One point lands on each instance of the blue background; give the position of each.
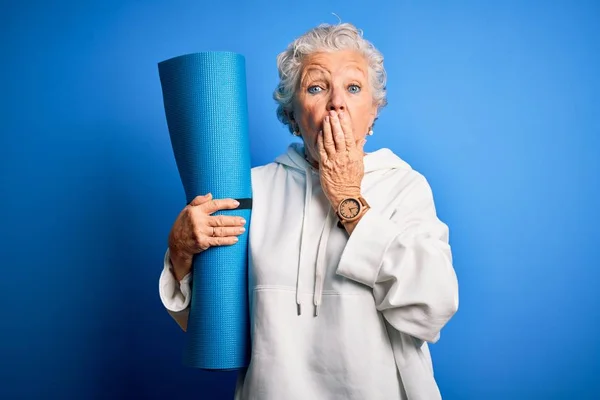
(497, 104)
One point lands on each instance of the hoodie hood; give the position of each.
(382, 159)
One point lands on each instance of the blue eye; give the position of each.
(314, 89)
(354, 88)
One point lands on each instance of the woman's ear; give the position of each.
(373, 122)
(293, 125)
(374, 112)
(290, 116)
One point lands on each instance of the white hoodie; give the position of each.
(336, 316)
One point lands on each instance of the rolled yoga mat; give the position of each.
(205, 102)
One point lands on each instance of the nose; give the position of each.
(336, 100)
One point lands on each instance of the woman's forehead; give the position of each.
(345, 61)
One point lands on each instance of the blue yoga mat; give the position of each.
(205, 102)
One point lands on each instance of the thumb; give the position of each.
(198, 200)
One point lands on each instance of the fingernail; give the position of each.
(235, 239)
(242, 229)
(243, 221)
(332, 113)
(327, 118)
(237, 203)
(341, 115)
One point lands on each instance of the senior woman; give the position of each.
(350, 268)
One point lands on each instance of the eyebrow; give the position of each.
(311, 74)
(315, 70)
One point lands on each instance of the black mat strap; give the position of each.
(245, 204)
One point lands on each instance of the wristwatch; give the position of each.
(351, 208)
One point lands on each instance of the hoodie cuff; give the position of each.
(174, 295)
(364, 251)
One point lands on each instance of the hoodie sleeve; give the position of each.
(174, 295)
(407, 261)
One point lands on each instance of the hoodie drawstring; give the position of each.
(320, 266)
(307, 198)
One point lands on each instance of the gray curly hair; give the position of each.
(325, 37)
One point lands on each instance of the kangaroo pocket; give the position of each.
(343, 353)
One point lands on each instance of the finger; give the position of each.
(227, 231)
(223, 241)
(346, 126)
(198, 200)
(338, 133)
(208, 237)
(328, 142)
(321, 148)
(217, 205)
(224, 220)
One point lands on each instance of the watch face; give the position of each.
(349, 208)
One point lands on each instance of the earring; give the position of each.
(295, 130)
(370, 133)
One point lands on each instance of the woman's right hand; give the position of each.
(196, 230)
